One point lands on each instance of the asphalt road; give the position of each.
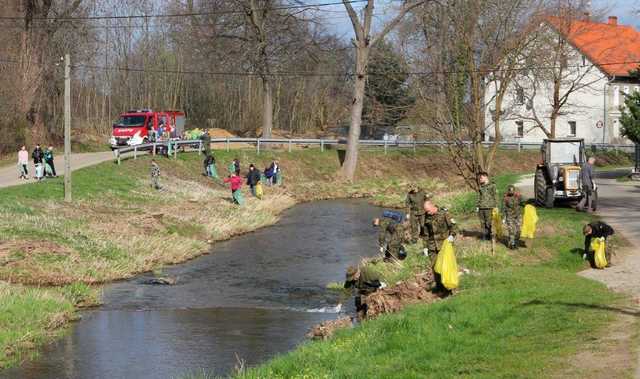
(9, 174)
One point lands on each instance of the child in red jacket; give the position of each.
(236, 183)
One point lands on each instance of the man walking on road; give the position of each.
(586, 175)
(487, 201)
(23, 162)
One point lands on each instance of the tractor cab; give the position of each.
(558, 175)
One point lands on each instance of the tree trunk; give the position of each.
(351, 159)
(267, 108)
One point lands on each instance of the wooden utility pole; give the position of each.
(67, 128)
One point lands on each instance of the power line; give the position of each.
(344, 74)
(177, 15)
(329, 74)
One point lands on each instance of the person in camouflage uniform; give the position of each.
(155, 175)
(391, 237)
(415, 209)
(440, 227)
(487, 201)
(366, 282)
(512, 210)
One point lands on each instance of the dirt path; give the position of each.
(619, 206)
(9, 174)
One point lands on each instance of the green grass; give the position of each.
(518, 314)
(31, 316)
(513, 323)
(117, 226)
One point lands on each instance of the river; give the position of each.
(252, 298)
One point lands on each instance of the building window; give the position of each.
(520, 126)
(616, 96)
(572, 128)
(519, 95)
(626, 90)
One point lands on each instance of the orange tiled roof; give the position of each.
(607, 45)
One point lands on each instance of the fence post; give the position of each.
(519, 147)
(385, 147)
(154, 148)
(118, 155)
(258, 146)
(175, 150)
(414, 146)
(322, 145)
(289, 145)
(227, 144)
(200, 147)
(135, 152)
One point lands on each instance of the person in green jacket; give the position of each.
(415, 209)
(366, 282)
(391, 238)
(512, 210)
(487, 201)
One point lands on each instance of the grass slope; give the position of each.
(519, 314)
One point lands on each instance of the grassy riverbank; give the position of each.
(118, 226)
(518, 314)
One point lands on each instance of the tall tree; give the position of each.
(473, 45)
(554, 79)
(363, 42)
(630, 117)
(387, 95)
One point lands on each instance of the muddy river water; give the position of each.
(254, 297)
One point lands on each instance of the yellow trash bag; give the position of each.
(496, 221)
(599, 247)
(447, 266)
(529, 221)
(259, 190)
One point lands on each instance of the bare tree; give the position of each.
(557, 72)
(474, 44)
(364, 41)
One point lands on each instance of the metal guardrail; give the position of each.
(172, 147)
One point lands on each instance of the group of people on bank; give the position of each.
(254, 178)
(425, 220)
(42, 163)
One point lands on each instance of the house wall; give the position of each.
(586, 107)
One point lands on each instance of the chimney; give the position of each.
(613, 20)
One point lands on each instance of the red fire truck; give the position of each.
(143, 126)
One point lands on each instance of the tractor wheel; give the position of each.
(549, 198)
(540, 188)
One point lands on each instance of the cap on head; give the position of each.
(351, 273)
(511, 188)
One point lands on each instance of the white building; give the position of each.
(597, 62)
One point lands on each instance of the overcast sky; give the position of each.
(335, 17)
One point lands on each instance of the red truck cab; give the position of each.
(144, 126)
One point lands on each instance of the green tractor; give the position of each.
(558, 176)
